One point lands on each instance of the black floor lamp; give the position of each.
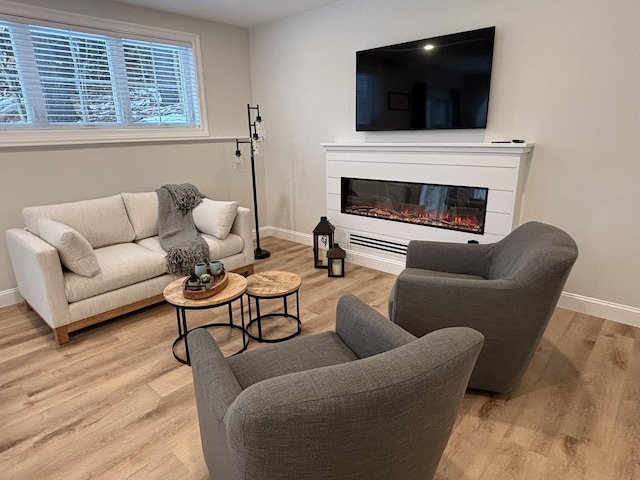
(259, 253)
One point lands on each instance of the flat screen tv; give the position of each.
(435, 83)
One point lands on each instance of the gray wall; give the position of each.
(38, 176)
(566, 77)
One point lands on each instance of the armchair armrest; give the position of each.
(38, 272)
(472, 259)
(216, 389)
(215, 384)
(365, 331)
(424, 303)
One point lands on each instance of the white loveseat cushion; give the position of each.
(74, 250)
(102, 221)
(215, 217)
(218, 249)
(120, 265)
(142, 209)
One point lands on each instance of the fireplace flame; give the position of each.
(443, 206)
(468, 223)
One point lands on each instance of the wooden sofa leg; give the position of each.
(61, 334)
(244, 271)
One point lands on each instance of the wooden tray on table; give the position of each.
(218, 283)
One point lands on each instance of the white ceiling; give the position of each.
(242, 13)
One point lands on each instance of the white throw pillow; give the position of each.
(215, 217)
(75, 251)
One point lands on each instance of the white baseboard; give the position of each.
(569, 301)
(373, 261)
(600, 308)
(363, 259)
(292, 236)
(10, 297)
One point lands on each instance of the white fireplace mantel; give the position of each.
(376, 243)
(449, 148)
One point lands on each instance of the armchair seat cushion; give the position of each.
(315, 351)
(120, 265)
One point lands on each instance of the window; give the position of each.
(88, 84)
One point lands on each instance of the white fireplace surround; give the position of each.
(381, 244)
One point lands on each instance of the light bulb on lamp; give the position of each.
(260, 130)
(257, 147)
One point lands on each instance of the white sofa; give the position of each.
(107, 259)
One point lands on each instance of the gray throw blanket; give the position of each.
(178, 234)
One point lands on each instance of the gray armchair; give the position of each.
(507, 290)
(367, 401)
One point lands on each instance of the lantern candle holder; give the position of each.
(335, 258)
(322, 242)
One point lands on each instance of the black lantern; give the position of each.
(335, 257)
(322, 241)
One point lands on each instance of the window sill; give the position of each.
(93, 136)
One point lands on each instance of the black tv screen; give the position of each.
(435, 83)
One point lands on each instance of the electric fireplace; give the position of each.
(451, 207)
(491, 175)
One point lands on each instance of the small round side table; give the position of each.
(233, 291)
(273, 285)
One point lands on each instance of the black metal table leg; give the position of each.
(285, 313)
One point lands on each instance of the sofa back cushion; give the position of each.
(102, 221)
(142, 209)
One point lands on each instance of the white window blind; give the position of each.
(55, 77)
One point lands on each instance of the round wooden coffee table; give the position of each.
(233, 291)
(273, 285)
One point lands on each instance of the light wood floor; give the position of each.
(114, 404)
